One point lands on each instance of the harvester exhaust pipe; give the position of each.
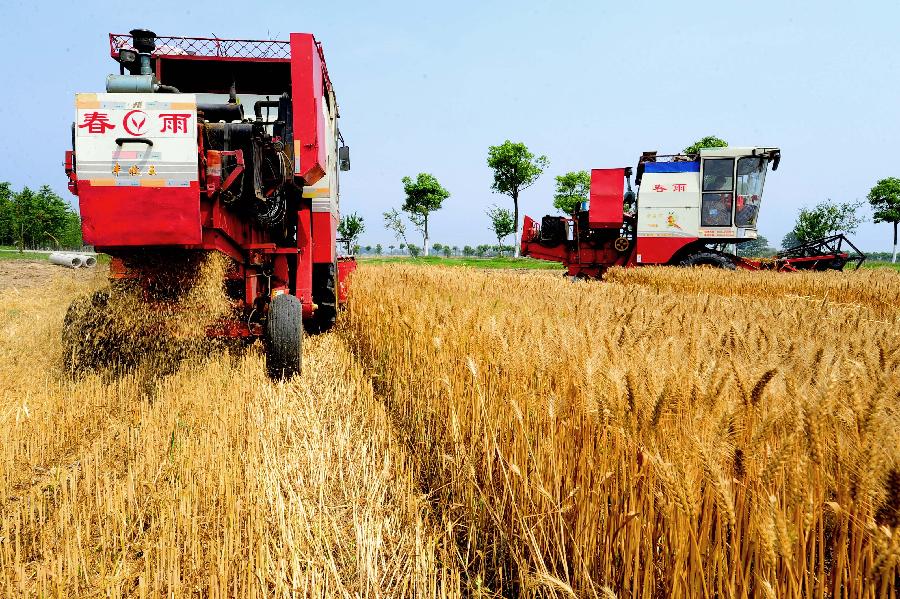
(144, 41)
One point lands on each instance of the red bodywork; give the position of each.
(127, 221)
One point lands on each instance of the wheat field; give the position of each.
(664, 433)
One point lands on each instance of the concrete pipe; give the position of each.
(90, 261)
(68, 260)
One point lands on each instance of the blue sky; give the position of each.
(429, 86)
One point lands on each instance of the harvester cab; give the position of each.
(203, 146)
(688, 209)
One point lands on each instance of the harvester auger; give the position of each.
(687, 209)
(169, 168)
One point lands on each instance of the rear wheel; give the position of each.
(712, 259)
(284, 337)
(325, 285)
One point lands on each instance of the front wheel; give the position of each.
(284, 337)
(708, 259)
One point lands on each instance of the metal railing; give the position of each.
(211, 47)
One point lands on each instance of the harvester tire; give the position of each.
(284, 337)
(712, 259)
(325, 285)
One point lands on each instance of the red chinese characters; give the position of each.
(174, 122)
(679, 186)
(96, 122)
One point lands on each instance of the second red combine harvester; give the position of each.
(169, 164)
(687, 210)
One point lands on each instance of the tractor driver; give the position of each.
(746, 210)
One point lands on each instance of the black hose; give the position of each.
(258, 106)
(167, 89)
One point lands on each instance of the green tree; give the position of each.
(7, 221)
(35, 219)
(414, 250)
(70, 236)
(502, 222)
(515, 168)
(571, 190)
(789, 240)
(710, 141)
(755, 248)
(391, 247)
(468, 251)
(885, 201)
(378, 249)
(424, 195)
(824, 219)
(446, 251)
(393, 222)
(351, 227)
(436, 247)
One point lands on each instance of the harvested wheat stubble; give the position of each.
(665, 437)
(201, 479)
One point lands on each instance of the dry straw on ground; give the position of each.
(664, 434)
(201, 478)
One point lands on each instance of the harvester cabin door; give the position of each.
(717, 200)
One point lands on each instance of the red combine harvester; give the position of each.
(687, 210)
(169, 167)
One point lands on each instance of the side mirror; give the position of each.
(344, 158)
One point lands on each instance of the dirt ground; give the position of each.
(27, 274)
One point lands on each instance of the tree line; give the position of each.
(37, 219)
(516, 168)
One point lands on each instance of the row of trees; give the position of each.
(515, 169)
(439, 249)
(37, 219)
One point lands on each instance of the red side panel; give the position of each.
(659, 250)
(324, 225)
(307, 91)
(346, 266)
(607, 192)
(127, 216)
(303, 282)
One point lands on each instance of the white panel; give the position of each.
(168, 120)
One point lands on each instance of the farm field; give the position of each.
(666, 433)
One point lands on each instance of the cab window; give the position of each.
(718, 174)
(717, 203)
(715, 210)
(751, 175)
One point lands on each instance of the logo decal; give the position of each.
(135, 122)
